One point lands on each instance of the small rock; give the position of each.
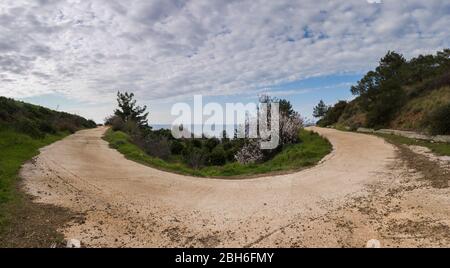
(373, 243)
(73, 243)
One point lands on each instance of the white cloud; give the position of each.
(167, 48)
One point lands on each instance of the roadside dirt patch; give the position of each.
(35, 225)
(430, 166)
(443, 161)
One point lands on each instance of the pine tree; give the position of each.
(320, 110)
(128, 111)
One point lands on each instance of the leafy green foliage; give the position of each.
(292, 157)
(128, 110)
(333, 114)
(439, 121)
(384, 106)
(380, 90)
(320, 109)
(286, 108)
(37, 121)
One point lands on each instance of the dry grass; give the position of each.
(413, 114)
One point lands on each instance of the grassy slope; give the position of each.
(16, 148)
(293, 157)
(417, 109)
(411, 116)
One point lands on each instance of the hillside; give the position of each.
(24, 128)
(399, 94)
(37, 121)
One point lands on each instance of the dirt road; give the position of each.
(359, 192)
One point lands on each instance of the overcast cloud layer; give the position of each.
(161, 49)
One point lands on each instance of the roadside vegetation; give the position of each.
(400, 94)
(291, 158)
(213, 157)
(439, 148)
(24, 128)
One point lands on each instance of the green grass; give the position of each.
(439, 148)
(293, 157)
(15, 149)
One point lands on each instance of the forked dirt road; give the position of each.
(362, 190)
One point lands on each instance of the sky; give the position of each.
(75, 55)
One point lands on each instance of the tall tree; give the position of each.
(320, 110)
(390, 66)
(285, 106)
(129, 111)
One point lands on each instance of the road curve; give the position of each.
(126, 204)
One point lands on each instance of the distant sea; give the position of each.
(161, 126)
(228, 128)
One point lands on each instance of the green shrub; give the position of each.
(90, 124)
(176, 147)
(217, 157)
(194, 157)
(333, 114)
(46, 127)
(132, 128)
(439, 121)
(383, 108)
(28, 127)
(212, 143)
(196, 143)
(117, 124)
(66, 125)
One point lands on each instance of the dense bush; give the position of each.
(37, 121)
(66, 125)
(333, 114)
(29, 127)
(47, 127)
(176, 147)
(194, 157)
(212, 143)
(116, 123)
(217, 157)
(430, 84)
(383, 108)
(439, 121)
(157, 147)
